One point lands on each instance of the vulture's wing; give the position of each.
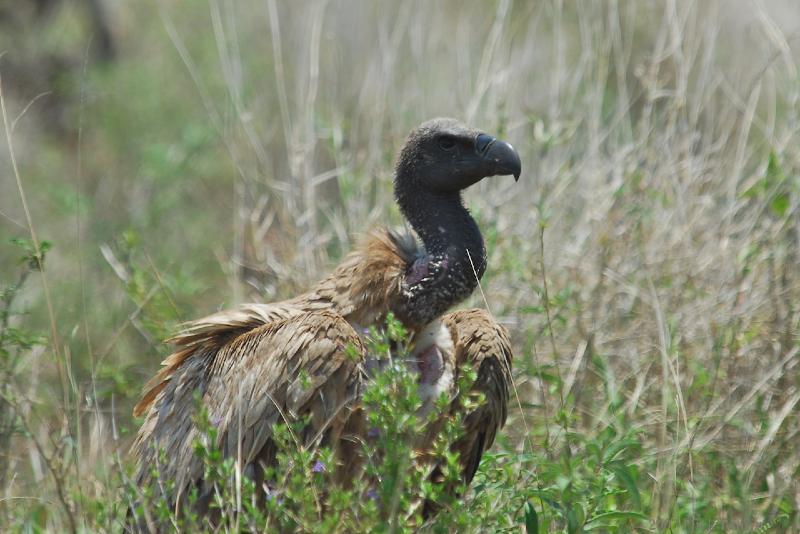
(361, 290)
(209, 335)
(307, 365)
(483, 345)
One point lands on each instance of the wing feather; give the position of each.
(291, 368)
(362, 289)
(483, 345)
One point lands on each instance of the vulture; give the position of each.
(304, 358)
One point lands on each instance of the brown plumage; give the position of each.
(249, 383)
(361, 290)
(265, 363)
(483, 346)
(290, 368)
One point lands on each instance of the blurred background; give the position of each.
(162, 160)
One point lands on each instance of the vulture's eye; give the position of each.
(447, 143)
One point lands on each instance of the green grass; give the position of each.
(646, 264)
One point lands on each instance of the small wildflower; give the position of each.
(318, 467)
(372, 494)
(373, 432)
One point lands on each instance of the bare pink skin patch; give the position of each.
(418, 271)
(431, 365)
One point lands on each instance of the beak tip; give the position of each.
(505, 159)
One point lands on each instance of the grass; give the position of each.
(645, 264)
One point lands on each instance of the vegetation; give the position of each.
(646, 264)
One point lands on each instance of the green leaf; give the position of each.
(531, 519)
(774, 174)
(780, 204)
(575, 519)
(617, 448)
(627, 476)
(601, 520)
(538, 310)
(773, 177)
(753, 190)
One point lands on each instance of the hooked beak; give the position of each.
(501, 156)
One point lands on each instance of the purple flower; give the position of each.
(318, 467)
(373, 432)
(372, 494)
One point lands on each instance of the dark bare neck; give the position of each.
(456, 255)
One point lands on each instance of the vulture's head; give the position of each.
(444, 156)
(441, 158)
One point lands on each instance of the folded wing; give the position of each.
(308, 365)
(482, 345)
